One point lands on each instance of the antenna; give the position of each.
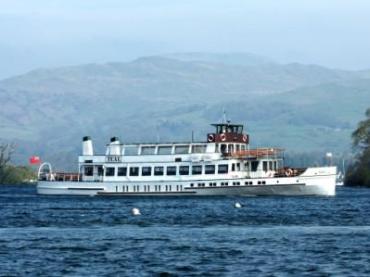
(224, 120)
(192, 136)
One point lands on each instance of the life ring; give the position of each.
(211, 138)
(244, 138)
(223, 137)
(289, 172)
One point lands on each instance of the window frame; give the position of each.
(223, 166)
(160, 172)
(186, 172)
(145, 171)
(173, 173)
(111, 170)
(132, 172)
(196, 172)
(89, 169)
(124, 168)
(207, 171)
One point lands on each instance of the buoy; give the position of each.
(135, 211)
(237, 205)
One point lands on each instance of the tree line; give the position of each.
(11, 174)
(358, 173)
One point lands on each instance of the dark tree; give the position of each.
(6, 151)
(359, 172)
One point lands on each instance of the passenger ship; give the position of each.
(223, 165)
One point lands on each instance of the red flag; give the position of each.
(35, 160)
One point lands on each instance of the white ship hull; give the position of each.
(314, 181)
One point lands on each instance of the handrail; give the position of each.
(258, 152)
(40, 173)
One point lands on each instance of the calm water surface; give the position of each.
(268, 236)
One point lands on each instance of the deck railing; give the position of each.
(60, 177)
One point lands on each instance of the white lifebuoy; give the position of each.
(211, 138)
(244, 138)
(223, 137)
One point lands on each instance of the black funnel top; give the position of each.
(113, 139)
(86, 138)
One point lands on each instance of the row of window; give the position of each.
(225, 184)
(161, 170)
(135, 150)
(147, 188)
(176, 170)
(169, 188)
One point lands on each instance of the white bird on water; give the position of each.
(237, 205)
(135, 211)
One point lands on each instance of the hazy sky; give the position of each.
(44, 33)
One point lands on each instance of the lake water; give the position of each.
(273, 236)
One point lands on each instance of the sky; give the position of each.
(51, 33)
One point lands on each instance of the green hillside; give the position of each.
(300, 107)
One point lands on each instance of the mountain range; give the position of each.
(299, 107)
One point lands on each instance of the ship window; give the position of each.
(237, 147)
(210, 169)
(146, 171)
(182, 149)
(134, 171)
(164, 150)
(147, 150)
(238, 166)
(264, 166)
(171, 170)
(246, 165)
(122, 171)
(131, 150)
(231, 148)
(109, 171)
(196, 170)
(254, 165)
(223, 168)
(158, 170)
(270, 166)
(223, 148)
(275, 165)
(198, 149)
(88, 171)
(184, 170)
(100, 170)
(233, 167)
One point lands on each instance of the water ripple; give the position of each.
(269, 236)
